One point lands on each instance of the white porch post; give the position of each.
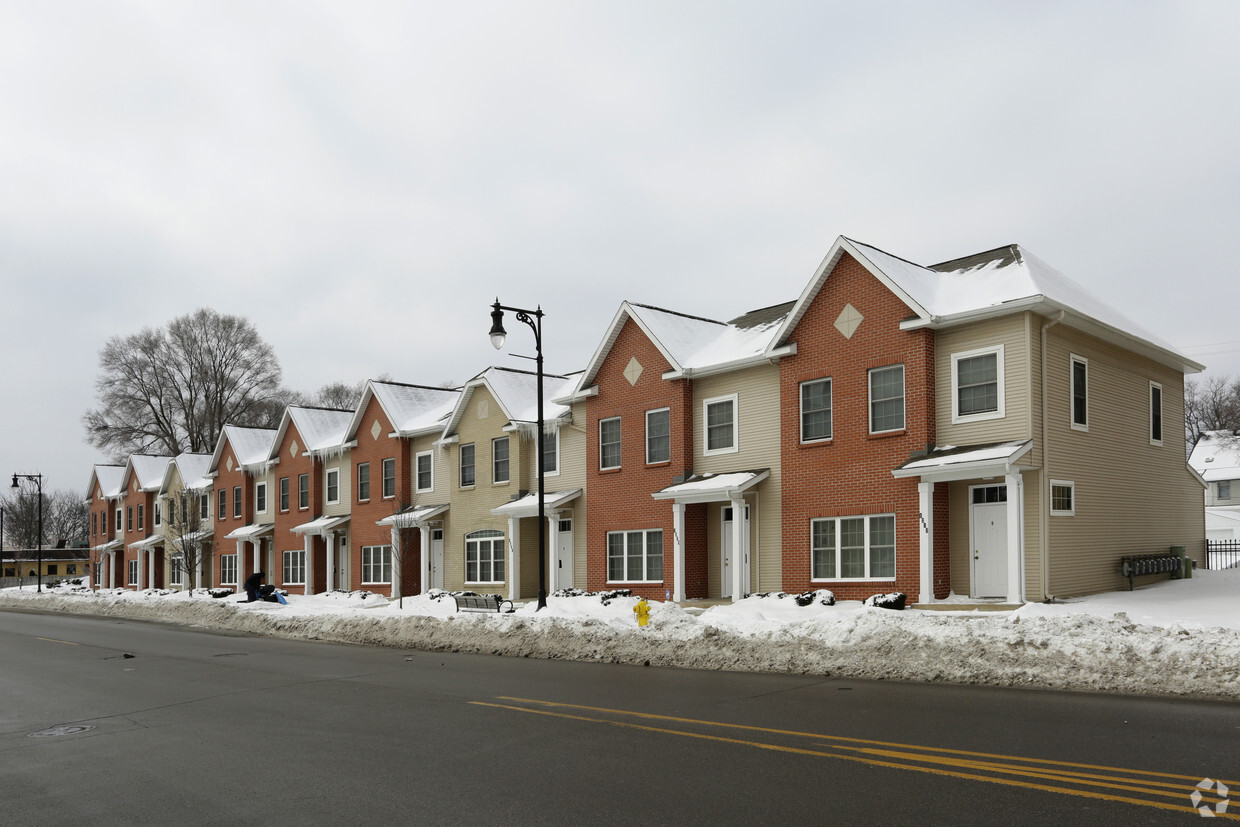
(514, 558)
(151, 563)
(553, 551)
(198, 570)
(141, 571)
(925, 500)
(424, 542)
(396, 563)
(111, 569)
(739, 558)
(678, 551)
(309, 546)
(330, 540)
(240, 563)
(257, 545)
(1015, 537)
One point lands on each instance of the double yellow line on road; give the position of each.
(1164, 791)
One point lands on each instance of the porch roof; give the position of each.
(949, 462)
(249, 532)
(703, 488)
(413, 515)
(149, 542)
(321, 525)
(527, 506)
(110, 545)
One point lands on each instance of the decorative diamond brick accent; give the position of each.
(375, 430)
(848, 321)
(229, 464)
(292, 448)
(633, 372)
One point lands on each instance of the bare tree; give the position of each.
(173, 389)
(184, 534)
(21, 517)
(66, 517)
(400, 550)
(1212, 404)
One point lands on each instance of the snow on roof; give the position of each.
(517, 392)
(1216, 456)
(250, 531)
(250, 445)
(414, 408)
(713, 485)
(109, 479)
(149, 470)
(527, 506)
(193, 469)
(695, 343)
(413, 515)
(320, 428)
(951, 455)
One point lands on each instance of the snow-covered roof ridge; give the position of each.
(250, 445)
(1007, 279)
(321, 429)
(193, 470)
(1216, 456)
(149, 470)
(108, 478)
(412, 409)
(516, 392)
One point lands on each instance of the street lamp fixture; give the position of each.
(37, 479)
(533, 318)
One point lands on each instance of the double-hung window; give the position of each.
(260, 497)
(977, 385)
(609, 443)
(376, 564)
(1063, 498)
(816, 410)
(887, 399)
(236, 501)
(388, 470)
(1080, 393)
(222, 505)
(1156, 414)
(295, 567)
(363, 482)
(228, 569)
(635, 556)
(159, 514)
(484, 556)
(551, 453)
(129, 518)
(424, 466)
(499, 459)
(720, 425)
(658, 436)
(140, 520)
(1224, 489)
(333, 485)
(853, 548)
(284, 493)
(303, 491)
(467, 465)
(204, 507)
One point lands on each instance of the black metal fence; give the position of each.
(1222, 554)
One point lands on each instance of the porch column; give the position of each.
(240, 567)
(309, 546)
(141, 572)
(111, 569)
(925, 502)
(553, 551)
(257, 545)
(198, 570)
(151, 563)
(424, 541)
(396, 560)
(330, 540)
(739, 559)
(1015, 537)
(514, 558)
(678, 551)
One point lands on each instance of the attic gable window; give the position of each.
(977, 385)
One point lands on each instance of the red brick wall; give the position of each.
(129, 504)
(620, 499)
(850, 475)
(365, 514)
(292, 465)
(225, 481)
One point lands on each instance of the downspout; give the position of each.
(1044, 526)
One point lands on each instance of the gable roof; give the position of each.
(696, 346)
(516, 392)
(321, 429)
(193, 469)
(250, 445)
(1216, 456)
(109, 479)
(148, 469)
(994, 283)
(412, 409)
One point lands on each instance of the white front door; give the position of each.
(725, 570)
(564, 555)
(436, 558)
(341, 563)
(988, 533)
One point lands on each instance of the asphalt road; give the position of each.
(205, 728)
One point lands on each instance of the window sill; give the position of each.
(815, 443)
(635, 582)
(615, 470)
(854, 580)
(887, 434)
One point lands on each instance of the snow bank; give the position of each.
(1173, 638)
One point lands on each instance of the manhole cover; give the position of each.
(63, 729)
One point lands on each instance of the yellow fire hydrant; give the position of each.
(642, 610)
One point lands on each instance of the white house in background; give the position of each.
(1216, 456)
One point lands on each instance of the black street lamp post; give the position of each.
(533, 318)
(37, 479)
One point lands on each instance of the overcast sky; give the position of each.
(361, 180)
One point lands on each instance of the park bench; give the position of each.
(482, 603)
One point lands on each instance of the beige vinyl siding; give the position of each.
(1011, 333)
(1131, 497)
(961, 554)
(573, 475)
(270, 477)
(342, 462)
(757, 391)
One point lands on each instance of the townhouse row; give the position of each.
(981, 427)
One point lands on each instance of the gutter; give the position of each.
(766, 357)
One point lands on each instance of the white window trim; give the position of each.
(736, 425)
(668, 411)
(228, 561)
(801, 411)
(602, 422)
(839, 578)
(1218, 491)
(260, 486)
(416, 476)
(284, 567)
(383, 464)
(999, 412)
(357, 474)
(1072, 361)
(1162, 415)
(490, 540)
(368, 564)
(301, 477)
(869, 389)
(327, 486)
(460, 465)
(158, 515)
(506, 480)
(554, 435)
(1067, 512)
(645, 535)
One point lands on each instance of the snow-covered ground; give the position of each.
(1177, 637)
